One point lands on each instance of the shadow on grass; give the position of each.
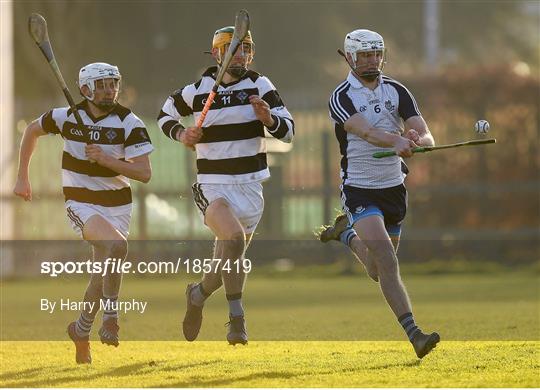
(414, 363)
(196, 382)
(75, 375)
(192, 365)
(283, 375)
(14, 374)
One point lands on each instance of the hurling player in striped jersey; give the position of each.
(372, 112)
(98, 160)
(231, 166)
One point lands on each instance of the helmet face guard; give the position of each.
(369, 64)
(220, 44)
(96, 76)
(366, 53)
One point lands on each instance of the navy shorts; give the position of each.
(389, 203)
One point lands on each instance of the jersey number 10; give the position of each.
(94, 135)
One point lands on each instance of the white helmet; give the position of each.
(97, 71)
(364, 40)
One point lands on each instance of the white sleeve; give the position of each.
(137, 141)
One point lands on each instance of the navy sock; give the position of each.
(84, 324)
(347, 235)
(109, 306)
(409, 326)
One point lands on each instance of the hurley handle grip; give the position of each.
(206, 107)
(392, 153)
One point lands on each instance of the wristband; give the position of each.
(277, 122)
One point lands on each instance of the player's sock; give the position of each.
(409, 326)
(198, 295)
(109, 308)
(235, 305)
(347, 236)
(84, 324)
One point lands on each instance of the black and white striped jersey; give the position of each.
(386, 107)
(120, 134)
(232, 148)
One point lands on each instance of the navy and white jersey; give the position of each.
(232, 148)
(120, 134)
(386, 107)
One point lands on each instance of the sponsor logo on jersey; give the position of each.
(374, 101)
(76, 132)
(360, 210)
(242, 96)
(111, 134)
(137, 146)
(205, 99)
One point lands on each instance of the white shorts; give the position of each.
(78, 213)
(246, 200)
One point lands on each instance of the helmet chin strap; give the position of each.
(368, 76)
(237, 71)
(104, 106)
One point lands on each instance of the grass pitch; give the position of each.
(273, 364)
(332, 325)
(309, 307)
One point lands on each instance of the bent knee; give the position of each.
(216, 207)
(118, 249)
(234, 243)
(114, 248)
